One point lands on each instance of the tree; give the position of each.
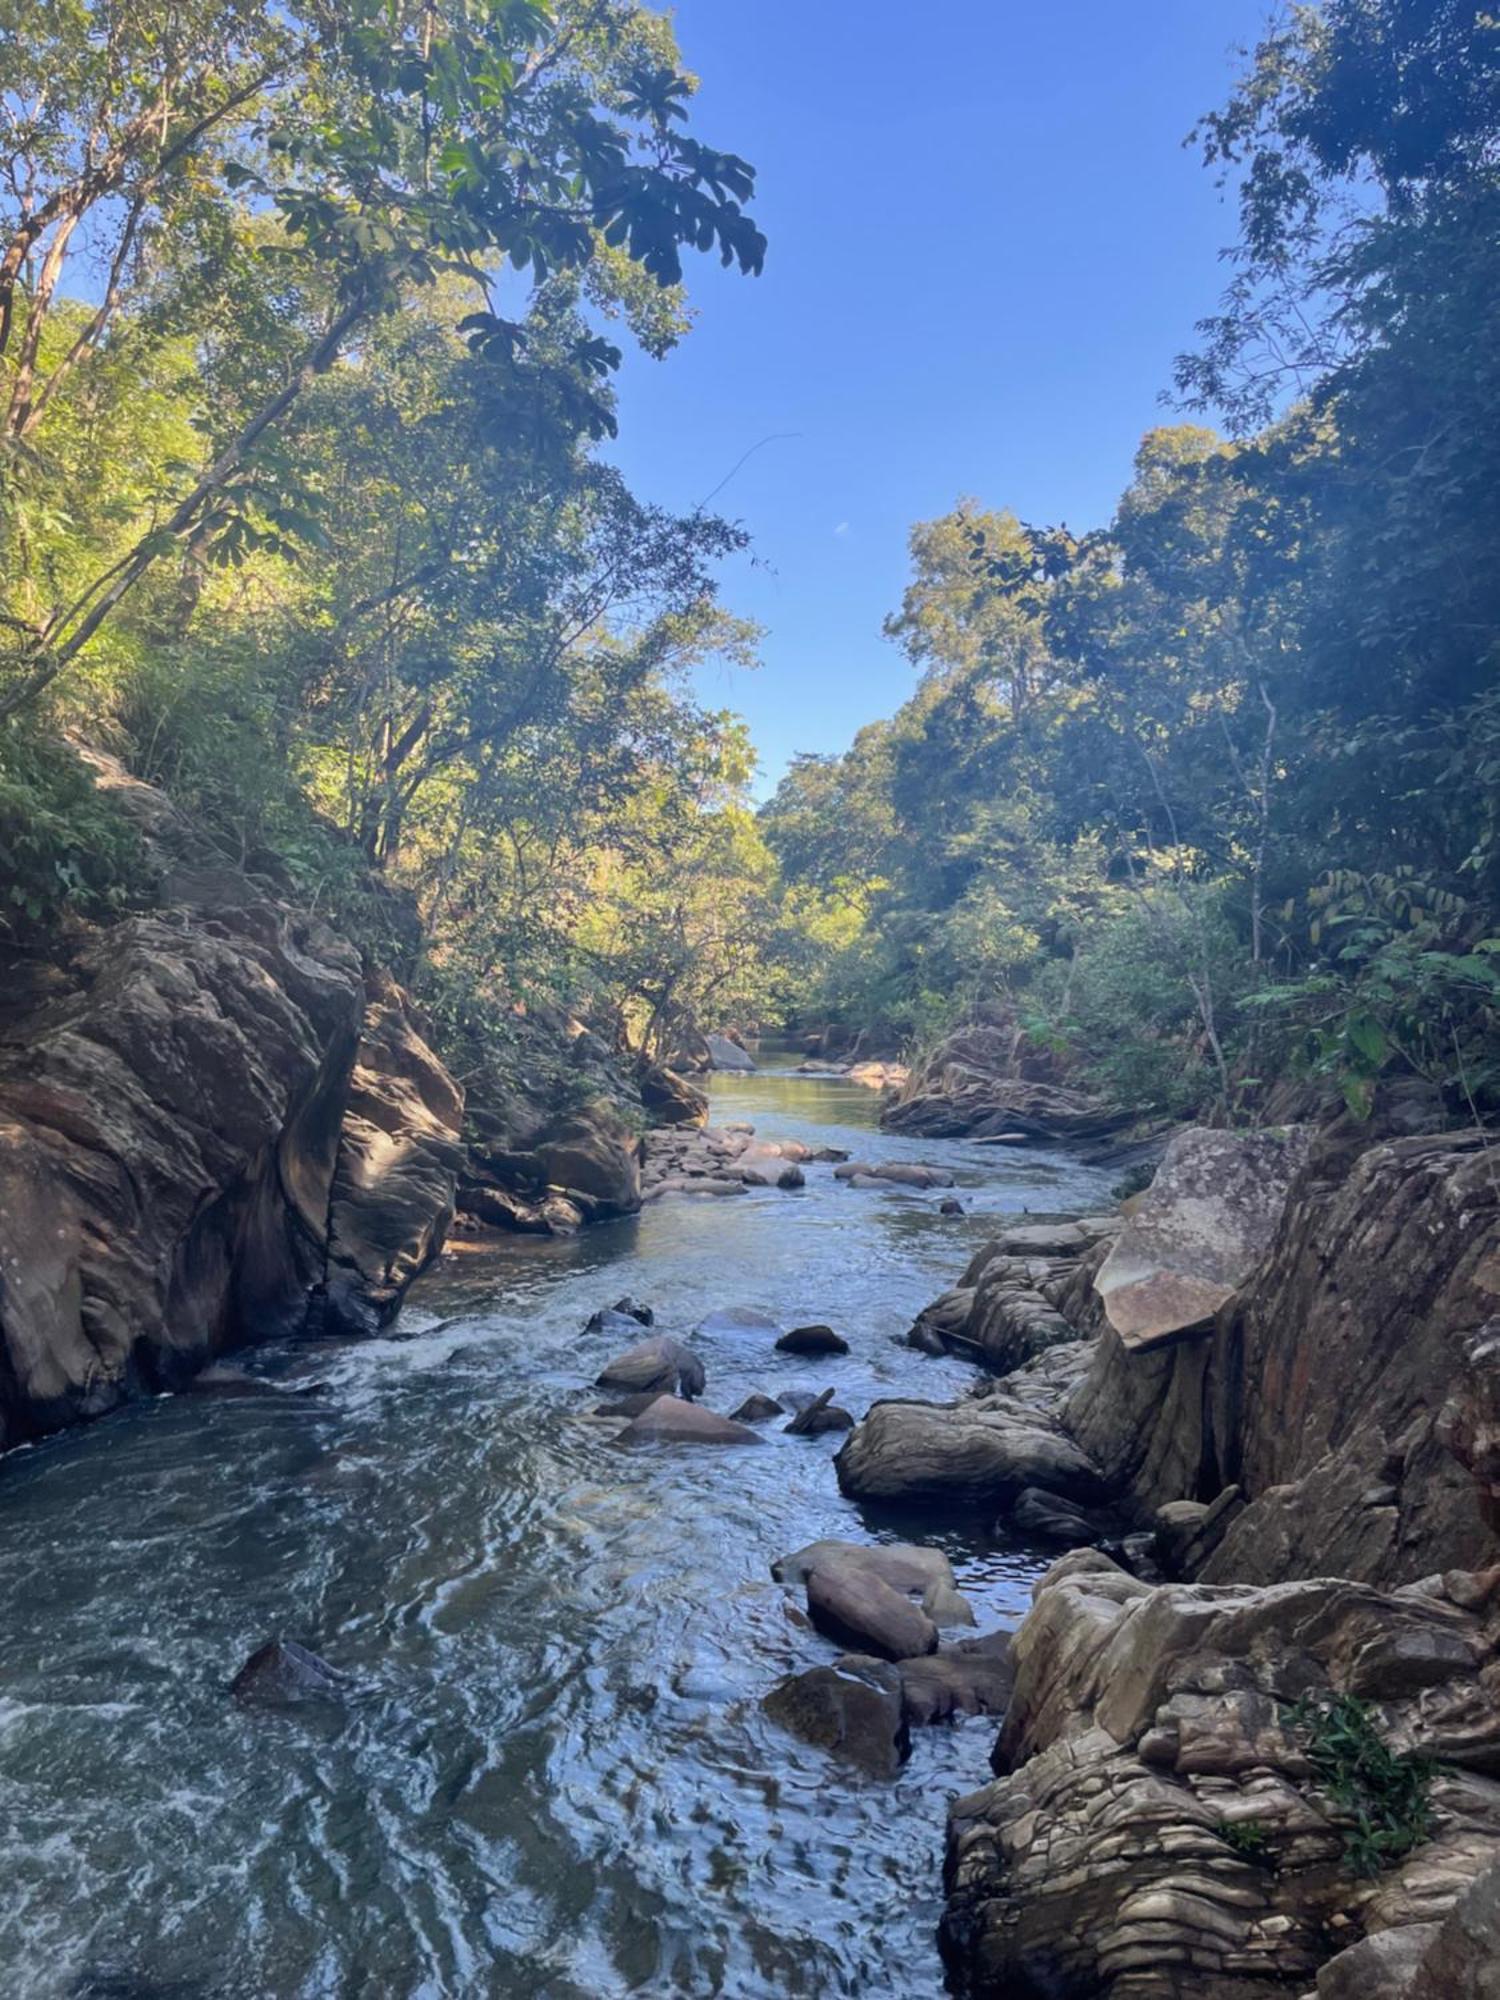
(395, 145)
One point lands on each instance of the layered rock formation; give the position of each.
(210, 1133)
(980, 1081)
(1169, 1820)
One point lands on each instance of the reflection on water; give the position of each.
(554, 1778)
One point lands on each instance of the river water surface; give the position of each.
(552, 1777)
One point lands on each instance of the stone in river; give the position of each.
(629, 1406)
(668, 1420)
(813, 1340)
(854, 1606)
(282, 1671)
(657, 1364)
(757, 1409)
(975, 1677)
(852, 1710)
(950, 1207)
(822, 1414)
(1052, 1519)
(738, 1319)
(905, 1566)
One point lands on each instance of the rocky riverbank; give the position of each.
(1274, 1379)
(218, 1126)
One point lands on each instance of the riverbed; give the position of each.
(551, 1776)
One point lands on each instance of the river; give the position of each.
(551, 1777)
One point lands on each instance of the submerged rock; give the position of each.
(852, 1710)
(669, 1420)
(732, 1320)
(282, 1671)
(900, 1173)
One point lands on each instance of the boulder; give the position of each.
(852, 1604)
(624, 1316)
(812, 1340)
(757, 1409)
(968, 1457)
(727, 1055)
(853, 1710)
(593, 1157)
(669, 1099)
(1202, 1227)
(657, 1364)
(669, 1420)
(950, 1207)
(1048, 1518)
(282, 1671)
(906, 1567)
(973, 1677)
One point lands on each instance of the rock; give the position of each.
(878, 1075)
(592, 1157)
(852, 1604)
(1050, 1519)
(950, 1207)
(973, 1085)
(631, 1405)
(757, 1409)
(282, 1671)
(1188, 1531)
(766, 1166)
(974, 1677)
(967, 1457)
(901, 1173)
(669, 1099)
(852, 1710)
(1042, 1239)
(813, 1340)
(1464, 1956)
(1383, 1966)
(631, 1308)
(1156, 1813)
(727, 1055)
(400, 1159)
(821, 1415)
(657, 1364)
(903, 1566)
(169, 1131)
(226, 1383)
(997, 1315)
(731, 1321)
(669, 1420)
(1204, 1224)
(689, 1184)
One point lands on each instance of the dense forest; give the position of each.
(1210, 795)
(307, 329)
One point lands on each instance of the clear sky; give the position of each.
(987, 244)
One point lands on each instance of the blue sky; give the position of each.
(987, 244)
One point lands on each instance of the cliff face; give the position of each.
(175, 1142)
(1322, 1389)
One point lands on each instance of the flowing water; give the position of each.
(551, 1776)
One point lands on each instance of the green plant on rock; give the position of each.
(1385, 1793)
(1251, 1841)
